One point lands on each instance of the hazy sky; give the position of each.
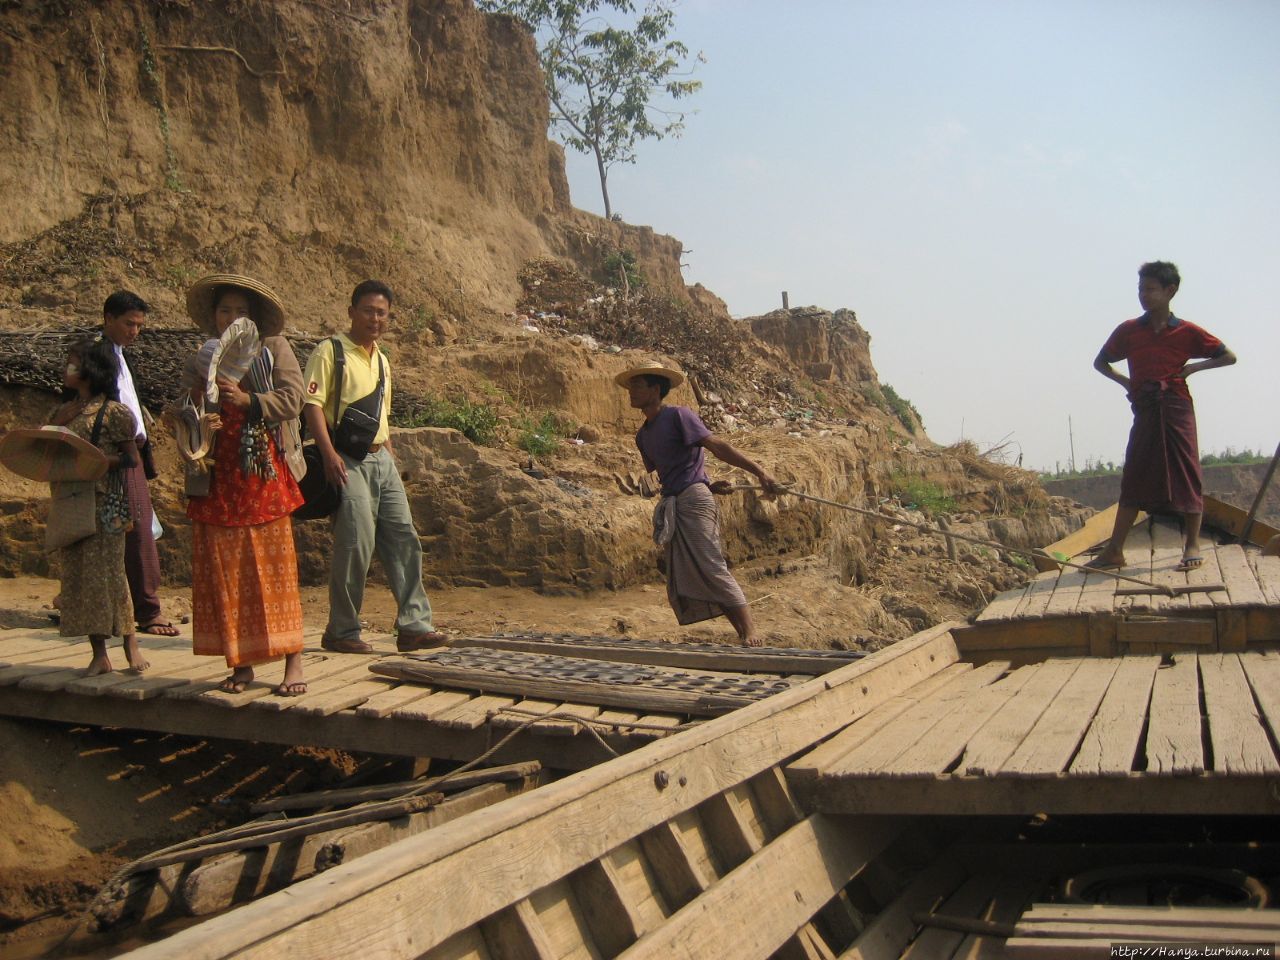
(980, 181)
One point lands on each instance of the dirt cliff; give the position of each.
(314, 144)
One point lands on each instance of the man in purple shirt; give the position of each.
(673, 441)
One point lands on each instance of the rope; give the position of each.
(993, 544)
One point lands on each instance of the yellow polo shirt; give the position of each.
(359, 379)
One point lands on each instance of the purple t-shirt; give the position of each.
(669, 444)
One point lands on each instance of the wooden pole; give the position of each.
(1257, 501)
(786, 304)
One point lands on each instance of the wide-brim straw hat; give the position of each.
(200, 303)
(654, 368)
(51, 454)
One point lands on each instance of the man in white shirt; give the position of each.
(123, 316)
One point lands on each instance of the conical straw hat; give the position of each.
(200, 303)
(51, 454)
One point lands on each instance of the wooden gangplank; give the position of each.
(1181, 734)
(690, 847)
(457, 714)
(1231, 603)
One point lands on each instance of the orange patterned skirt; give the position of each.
(246, 605)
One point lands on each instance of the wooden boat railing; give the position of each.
(695, 832)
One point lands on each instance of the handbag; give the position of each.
(73, 505)
(361, 420)
(73, 513)
(320, 497)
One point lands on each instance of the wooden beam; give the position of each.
(812, 861)
(404, 900)
(1231, 519)
(1062, 795)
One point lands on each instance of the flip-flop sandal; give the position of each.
(158, 628)
(1190, 563)
(295, 689)
(232, 685)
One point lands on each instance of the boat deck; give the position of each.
(453, 704)
(1231, 603)
(1179, 734)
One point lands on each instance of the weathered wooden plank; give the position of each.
(1265, 569)
(1230, 519)
(473, 714)
(1209, 572)
(817, 761)
(971, 900)
(1005, 604)
(558, 727)
(662, 721)
(1007, 903)
(1242, 586)
(507, 720)
(1066, 595)
(389, 701)
(606, 908)
(991, 746)
(467, 945)
(915, 724)
(1224, 918)
(407, 899)
(937, 753)
(1137, 554)
(561, 916)
(1098, 595)
(889, 933)
(1110, 745)
(1037, 598)
(1095, 532)
(516, 933)
(329, 674)
(954, 796)
(149, 686)
(1236, 733)
(342, 697)
(1263, 673)
(680, 877)
(1166, 554)
(1052, 742)
(428, 708)
(1166, 632)
(733, 831)
(1173, 733)
(813, 860)
(639, 886)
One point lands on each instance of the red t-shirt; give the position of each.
(1160, 356)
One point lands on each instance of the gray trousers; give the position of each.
(375, 516)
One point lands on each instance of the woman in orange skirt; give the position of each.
(244, 571)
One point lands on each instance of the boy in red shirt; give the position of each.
(1162, 462)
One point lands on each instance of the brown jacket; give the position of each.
(281, 405)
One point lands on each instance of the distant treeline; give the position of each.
(1097, 468)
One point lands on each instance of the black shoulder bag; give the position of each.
(321, 497)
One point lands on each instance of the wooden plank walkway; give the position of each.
(1230, 603)
(1139, 734)
(349, 706)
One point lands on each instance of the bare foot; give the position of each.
(99, 665)
(133, 653)
(752, 641)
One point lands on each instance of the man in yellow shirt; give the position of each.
(375, 511)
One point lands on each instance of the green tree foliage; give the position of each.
(604, 79)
